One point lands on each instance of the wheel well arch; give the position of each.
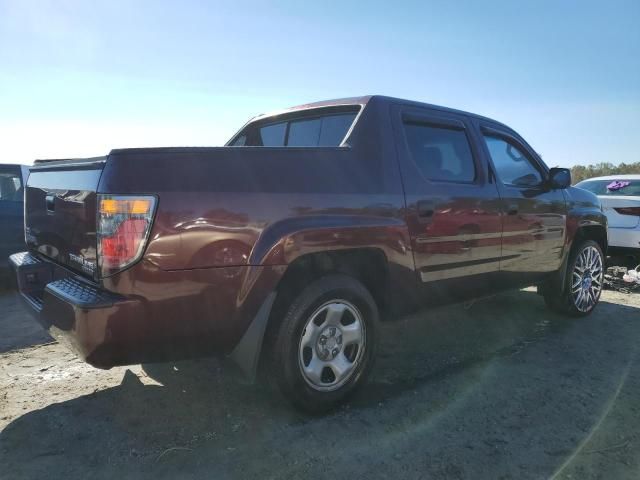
(597, 233)
(368, 265)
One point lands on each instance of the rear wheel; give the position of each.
(583, 281)
(326, 343)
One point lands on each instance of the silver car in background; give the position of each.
(620, 198)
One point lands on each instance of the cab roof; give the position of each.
(366, 99)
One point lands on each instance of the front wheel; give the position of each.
(326, 343)
(583, 281)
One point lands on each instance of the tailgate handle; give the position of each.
(51, 204)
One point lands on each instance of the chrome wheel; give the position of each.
(586, 279)
(332, 345)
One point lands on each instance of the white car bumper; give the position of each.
(624, 237)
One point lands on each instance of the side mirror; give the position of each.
(559, 178)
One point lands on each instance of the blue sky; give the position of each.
(78, 78)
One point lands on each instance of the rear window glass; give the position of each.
(273, 135)
(305, 133)
(305, 130)
(621, 187)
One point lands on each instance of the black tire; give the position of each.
(287, 349)
(562, 300)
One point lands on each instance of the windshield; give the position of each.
(621, 187)
(326, 127)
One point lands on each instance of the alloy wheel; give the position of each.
(586, 279)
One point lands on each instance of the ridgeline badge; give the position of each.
(85, 265)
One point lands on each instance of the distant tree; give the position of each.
(581, 172)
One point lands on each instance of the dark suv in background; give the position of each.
(12, 181)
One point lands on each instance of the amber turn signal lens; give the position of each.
(112, 206)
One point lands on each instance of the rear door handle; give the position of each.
(426, 210)
(512, 209)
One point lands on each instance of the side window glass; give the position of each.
(511, 164)
(441, 154)
(273, 135)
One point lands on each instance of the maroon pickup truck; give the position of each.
(284, 249)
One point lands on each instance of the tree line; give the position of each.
(582, 172)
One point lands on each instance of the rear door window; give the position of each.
(441, 154)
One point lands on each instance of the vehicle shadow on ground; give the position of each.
(203, 420)
(17, 328)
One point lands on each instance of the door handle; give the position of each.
(512, 209)
(426, 210)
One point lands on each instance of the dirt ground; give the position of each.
(501, 389)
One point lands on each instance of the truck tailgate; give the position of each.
(60, 212)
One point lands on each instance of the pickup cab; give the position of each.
(284, 249)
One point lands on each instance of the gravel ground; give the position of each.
(499, 389)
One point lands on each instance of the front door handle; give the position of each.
(512, 209)
(426, 210)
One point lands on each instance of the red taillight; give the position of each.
(628, 211)
(123, 245)
(124, 223)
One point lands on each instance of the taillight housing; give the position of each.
(124, 224)
(628, 211)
